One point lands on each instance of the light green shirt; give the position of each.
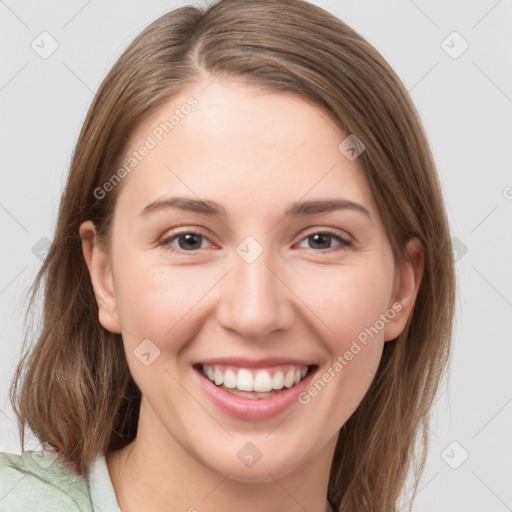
(39, 482)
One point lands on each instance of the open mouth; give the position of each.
(255, 383)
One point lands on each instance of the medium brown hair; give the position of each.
(73, 388)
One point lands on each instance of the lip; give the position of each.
(254, 363)
(248, 409)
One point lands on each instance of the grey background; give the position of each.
(466, 105)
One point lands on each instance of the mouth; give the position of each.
(255, 383)
(251, 392)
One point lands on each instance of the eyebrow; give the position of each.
(212, 208)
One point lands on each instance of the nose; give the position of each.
(255, 298)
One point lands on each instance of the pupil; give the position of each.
(189, 238)
(191, 241)
(318, 238)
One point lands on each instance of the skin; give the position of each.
(254, 152)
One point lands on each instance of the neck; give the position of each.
(156, 472)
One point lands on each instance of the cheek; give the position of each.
(352, 302)
(348, 301)
(157, 302)
(158, 310)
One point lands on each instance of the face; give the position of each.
(247, 250)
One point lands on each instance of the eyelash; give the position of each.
(343, 243)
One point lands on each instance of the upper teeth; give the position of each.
(255, 380)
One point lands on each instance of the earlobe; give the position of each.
(407, 283)
(100, 271)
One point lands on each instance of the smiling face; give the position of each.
(219, 269)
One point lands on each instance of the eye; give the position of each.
(188, 241)
(321, 240)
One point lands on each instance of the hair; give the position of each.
(73, 387)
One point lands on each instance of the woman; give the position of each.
(249, 296)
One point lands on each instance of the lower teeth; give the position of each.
(250, 394)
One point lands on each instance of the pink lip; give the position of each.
(248, 409)
(253, 363)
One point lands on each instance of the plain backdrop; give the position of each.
(454, 58)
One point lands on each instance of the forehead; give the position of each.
(234, 142)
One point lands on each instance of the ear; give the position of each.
(100, 270)
(407, 283)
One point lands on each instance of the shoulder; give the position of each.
(39, 481)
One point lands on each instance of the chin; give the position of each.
(247, 463)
